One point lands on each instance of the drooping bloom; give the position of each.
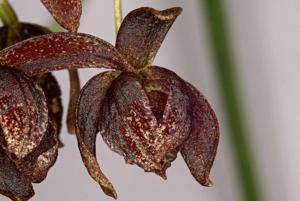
(145, 113)
(149, 114)
(30, 117)
(29, 131)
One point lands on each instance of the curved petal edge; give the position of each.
(200, 149)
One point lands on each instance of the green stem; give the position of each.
(7, 14)
(225, 69)
(118, 14)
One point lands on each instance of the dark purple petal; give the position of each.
(87, 120)
(12, 183)
(142, 32)
(200, 149)
(53, 96)
(128, 125)
(59, 51)
(23, 112)
(66, 12)
(175, 125)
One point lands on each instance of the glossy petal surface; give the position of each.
(142, 32)
(199, 150)
(23, 112)
(59, 51)
(12, 183)
(66, 12)
(88, 113)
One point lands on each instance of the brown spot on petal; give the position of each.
(66, 12)
(59, 51)
(142, 32)
(23, 112)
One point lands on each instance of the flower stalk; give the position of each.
(228, 82)
(118, 14)
(74, 94)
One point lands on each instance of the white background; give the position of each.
(266, 35)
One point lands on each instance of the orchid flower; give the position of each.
(145, 113)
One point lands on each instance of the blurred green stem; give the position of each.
(118, 14)
(229, 85)
(7, 14)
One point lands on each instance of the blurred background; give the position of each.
(265, 40)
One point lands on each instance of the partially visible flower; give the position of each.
(28, 145)
(29, 131)
(28, 139)
(145, 113)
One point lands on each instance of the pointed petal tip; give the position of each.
(208, 183)
(170, 13)
(167, 14)
(110, 191)
(162, 173)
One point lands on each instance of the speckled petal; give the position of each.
(36, 164)
(53, 95)
(142, 32)
(128, 122)
(23, 112)
(66, 12)
(200, 149)
(59, 51)
(12, 183)
(175, 124)
(87, 120)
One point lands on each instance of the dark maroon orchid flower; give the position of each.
(28, 135)
(145, 113)
(149, 114)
